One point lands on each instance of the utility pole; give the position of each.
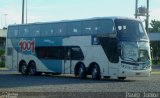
(22, 11)
(147, 17)
(136, 9)
(26, 11)
(143, 11)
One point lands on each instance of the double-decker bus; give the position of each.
(109, 47)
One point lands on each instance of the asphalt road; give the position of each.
(11, 81)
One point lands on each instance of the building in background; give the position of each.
(3, 34)
(155, 46)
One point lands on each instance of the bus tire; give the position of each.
(24, 70)
(95, 72)
(32, 69)
(82, 72)
(121, 78)
(107, 77)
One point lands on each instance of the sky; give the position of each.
(56, 10)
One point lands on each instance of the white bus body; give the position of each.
(100, 47)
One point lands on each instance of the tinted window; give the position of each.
(24, 31)
(60, 53)
(74, 28)
(50, 52)
(76, 53)
(130, 30)
(12, 31)
(73, 53)
(105, 27)
(89, 27)
(60, 29)
(34, 30)
(47, 30)
(109, 46)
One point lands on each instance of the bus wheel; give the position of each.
(96, 73)
(24, 70)
(32, 69)
(121, 78)
(107, 77)
(82, 72)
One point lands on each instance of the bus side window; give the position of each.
(46, 30)
(89, 27)
(110, 48)
(105, 27)
(13, 31)
(67, 53)
(60, 29)
(55, 53)
(74, 28)
(76, 53)
(10, 32)
(34, 30)
(24, 31)
(73, 53)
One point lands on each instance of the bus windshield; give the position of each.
(130, 30)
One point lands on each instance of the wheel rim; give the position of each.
(32, 70)
(94, 73)
(23, 69)
(81, 71)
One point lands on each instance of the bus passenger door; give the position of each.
(67, 61)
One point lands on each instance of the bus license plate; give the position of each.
(138, 73)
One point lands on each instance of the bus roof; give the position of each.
(94, 18)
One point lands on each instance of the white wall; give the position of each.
(154, 36)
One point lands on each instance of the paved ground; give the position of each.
(11, 81)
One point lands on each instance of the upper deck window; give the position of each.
(47, 30)
(60, 29)
(13, 31)
(23, 31)
(74, 28)
(130, 30)
(105, 27)
(34, 31)
(89, 27)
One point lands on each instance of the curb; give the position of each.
(155, 72)
(3, 69)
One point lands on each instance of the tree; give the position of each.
(155, 26)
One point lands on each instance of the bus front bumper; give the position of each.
(134, 73)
